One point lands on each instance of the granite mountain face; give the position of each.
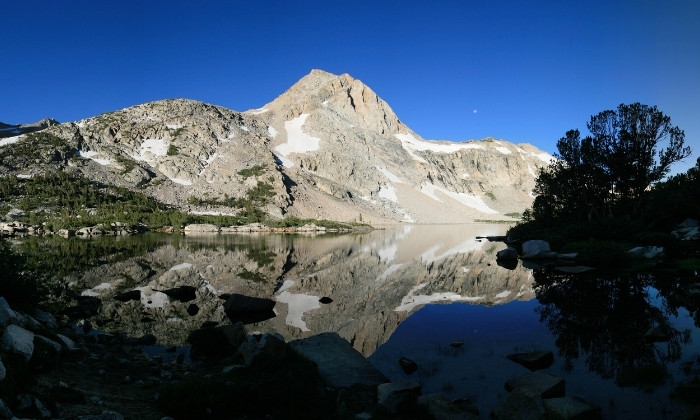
(329, 147)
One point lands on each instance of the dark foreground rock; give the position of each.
(522, 403)
(393, 395)
(217, 342)
(570, 407)
(443, 408)
(339, 364)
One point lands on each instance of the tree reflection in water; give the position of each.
(608, 319)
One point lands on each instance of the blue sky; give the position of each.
(523, 71)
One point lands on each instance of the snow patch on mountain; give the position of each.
(297, 140)
(390, 176)
(181, 181)
(151, 148)
(9, 140)
(388, 192)
(257, 111)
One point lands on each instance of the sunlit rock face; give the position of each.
(375, 280)
(329, 147)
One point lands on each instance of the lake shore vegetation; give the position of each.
(607, 192)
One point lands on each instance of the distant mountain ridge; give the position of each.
(329, 147)
(10, 130)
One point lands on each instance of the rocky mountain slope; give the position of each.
(328, 147)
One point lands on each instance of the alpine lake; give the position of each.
(434, 294)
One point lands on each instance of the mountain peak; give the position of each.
(345, 96)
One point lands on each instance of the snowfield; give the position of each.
(412, 144)
(472, 201)
(92, 155)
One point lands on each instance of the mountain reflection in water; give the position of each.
(376, 280)
(412, 291)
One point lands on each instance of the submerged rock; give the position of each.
(547, 385)
(509, 253)
(534, 360)
(408, 365)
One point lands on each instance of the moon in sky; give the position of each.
(475, 111)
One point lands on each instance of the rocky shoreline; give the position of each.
(21, 229)
(56, 368)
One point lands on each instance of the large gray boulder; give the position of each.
(201, 228)
(19, 341)
(7, 315)
(46, 319)
(339, 364)
(46, 352)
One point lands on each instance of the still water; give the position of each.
(432, 293)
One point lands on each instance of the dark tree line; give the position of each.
(610, 172)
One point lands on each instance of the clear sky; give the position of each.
(523, 71)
